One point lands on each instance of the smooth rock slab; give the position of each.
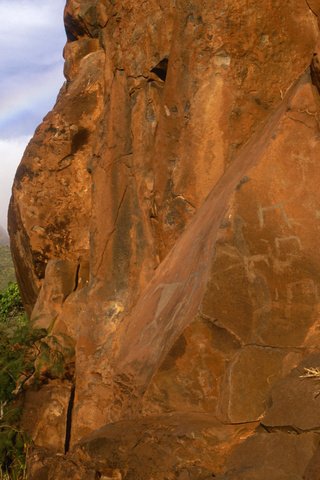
(295, 401)
(271, 456)
(247, 382)
(45, 415)
(187, 445)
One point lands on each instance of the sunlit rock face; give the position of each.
(165, 219)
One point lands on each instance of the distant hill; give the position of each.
(6, 266)
(4, 238)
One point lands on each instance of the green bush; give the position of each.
(27, 355)
(14, 341)
(10, 302)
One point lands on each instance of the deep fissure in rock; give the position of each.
(69, 419)
(315, 71)
(161, 69)
(74, 28)
(76, 280)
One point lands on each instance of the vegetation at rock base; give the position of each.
(13, 349)
(27, 355)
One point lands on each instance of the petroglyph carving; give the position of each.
(305, 290)
(288, 245)
(273, 208)
(250, 264)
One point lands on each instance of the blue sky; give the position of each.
(31, 41)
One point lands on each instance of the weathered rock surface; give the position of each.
(179, 445)
(165, 217)
(48, 406)
(279, 456)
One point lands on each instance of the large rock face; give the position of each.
(165, 217)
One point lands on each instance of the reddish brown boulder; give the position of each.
(165, 217)
(295, 401)
(280, 456)
(177, 446)
(48, 407)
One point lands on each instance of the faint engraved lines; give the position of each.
(304, 289)
(262, 211)
(250, 263)
(288, 245)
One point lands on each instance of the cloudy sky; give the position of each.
(31, 41)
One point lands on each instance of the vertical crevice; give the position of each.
(76, 280)
(69, 420)
(315, 71)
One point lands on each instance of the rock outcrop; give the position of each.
(165, 219)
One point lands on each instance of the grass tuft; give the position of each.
(311, 372)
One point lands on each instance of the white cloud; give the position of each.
(11, 152)
(32, 38)
(29, 100)
(32, 31)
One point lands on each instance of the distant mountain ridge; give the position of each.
(7, 273)
(4, 237)
(6, 266)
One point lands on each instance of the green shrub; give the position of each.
(14, 341)
(10, 302)
(27, 355)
